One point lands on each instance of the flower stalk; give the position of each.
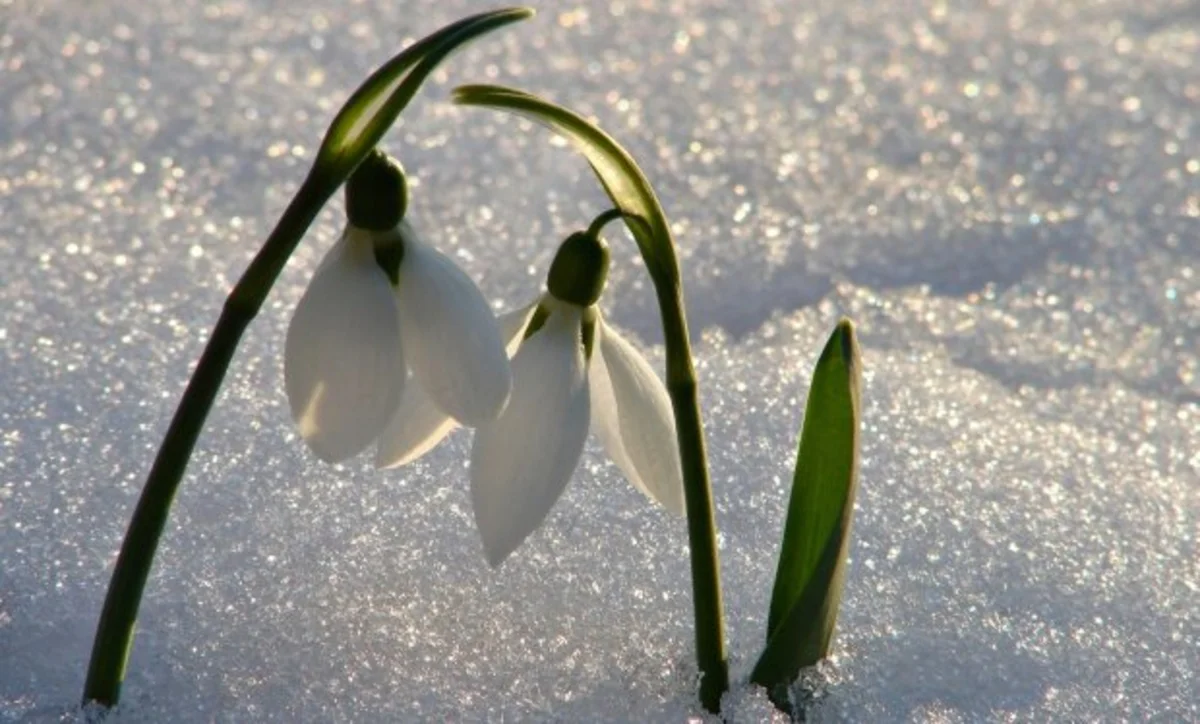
(702, 526)
(114, 633)
(355, 131)
(630, 192)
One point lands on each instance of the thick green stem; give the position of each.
(114, 633)
(702, 528)
(689, 430)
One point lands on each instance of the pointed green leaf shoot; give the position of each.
(631, 193)
(373, 108)
(816, 535)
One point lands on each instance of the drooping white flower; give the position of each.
(419, 424)
(388, 322)
(563, 386)
(572, 373)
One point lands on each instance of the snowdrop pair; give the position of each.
(392, 345)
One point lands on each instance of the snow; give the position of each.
(1005, 197)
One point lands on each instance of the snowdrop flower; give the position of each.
(571, 373)
(388, 323)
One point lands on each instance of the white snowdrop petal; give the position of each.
(419, 424)
(632, 416)
(521, 462)
(512, 326)
(343, 367)
(416, 428)
(451, 341)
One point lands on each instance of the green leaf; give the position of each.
(373, 108)
(816, 536)
(619, 174)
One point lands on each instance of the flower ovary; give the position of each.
(377, 193)
(579, 270)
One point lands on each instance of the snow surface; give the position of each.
(1005, 196)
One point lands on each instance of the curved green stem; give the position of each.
(114, 634)
(355, 131)
(702, 527)
(603, 220)
(682, 388)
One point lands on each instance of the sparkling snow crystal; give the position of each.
(1004, 196)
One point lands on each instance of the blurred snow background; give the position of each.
(1004, 196)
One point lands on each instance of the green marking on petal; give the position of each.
(589, 337)
(540, 315)
(388, 255)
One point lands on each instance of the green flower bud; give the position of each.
(579, 270)
(377, 193)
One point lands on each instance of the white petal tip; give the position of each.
(495, 556)
(330, 455)
(454, 346)
(388, 462)
(501, 541)
(502, 526)
(416, 428)
(676, 508)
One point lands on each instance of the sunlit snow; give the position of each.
(1004, 196)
